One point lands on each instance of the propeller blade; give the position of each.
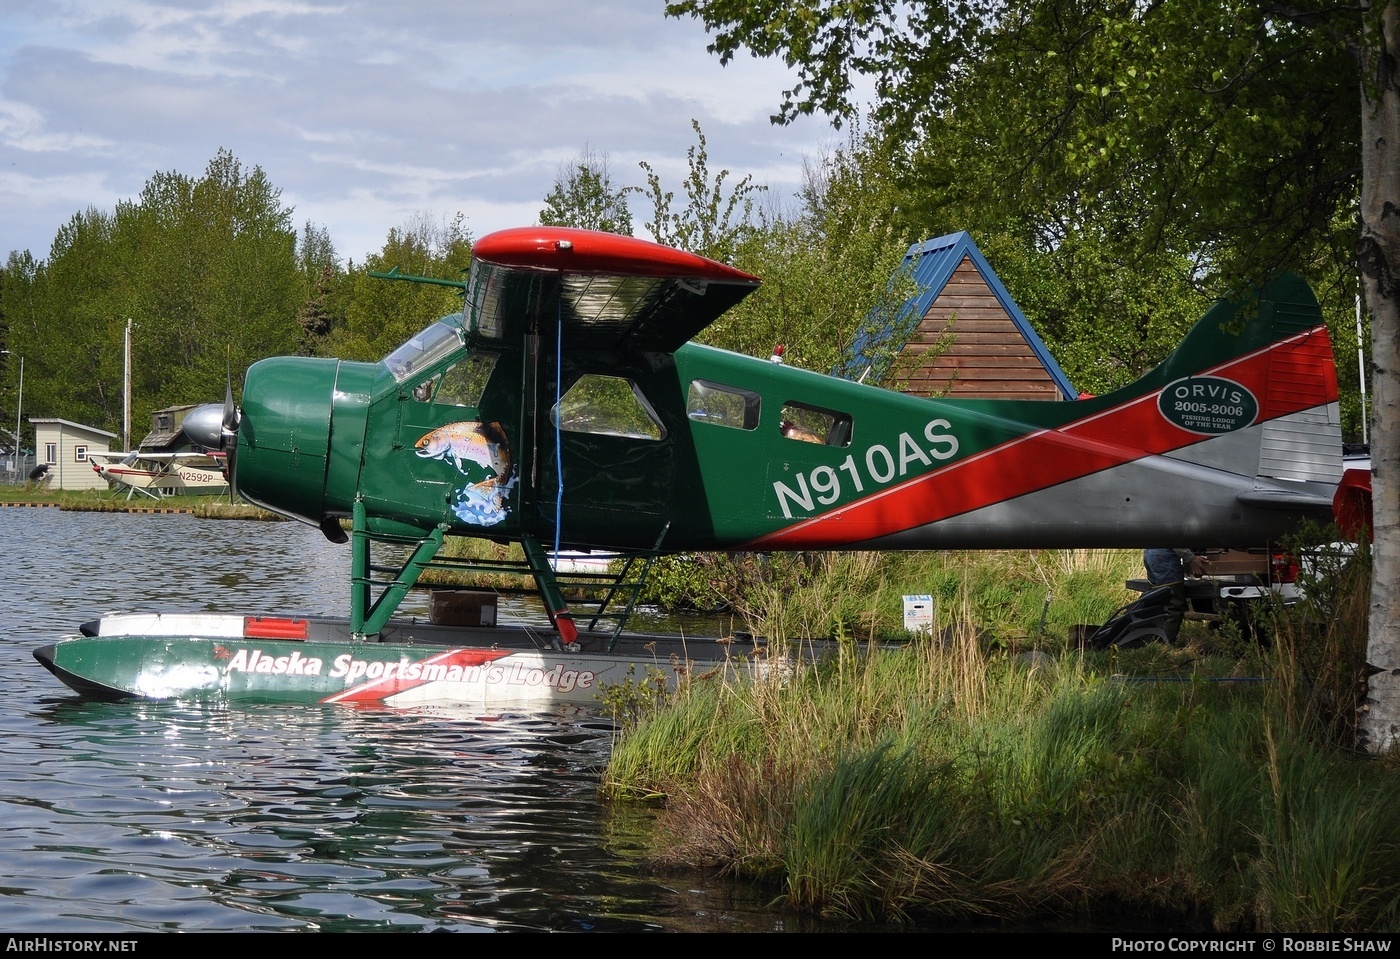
(230, 422)
(213, 425)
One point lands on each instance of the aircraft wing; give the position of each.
(607, 291)
(176, 457)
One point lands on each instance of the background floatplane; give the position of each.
(169, 462)
(158, 475)
(565, 409)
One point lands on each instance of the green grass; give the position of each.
(1017, 598)
(995, 769)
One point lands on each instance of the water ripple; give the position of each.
(137, 816)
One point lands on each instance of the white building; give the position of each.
(63, 446)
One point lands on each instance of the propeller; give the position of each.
(213, 425)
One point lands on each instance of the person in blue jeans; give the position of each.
(1169, 567)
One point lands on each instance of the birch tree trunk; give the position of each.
(1378, 256)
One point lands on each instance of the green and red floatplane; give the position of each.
(565, 408)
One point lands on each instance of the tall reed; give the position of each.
(961, 774)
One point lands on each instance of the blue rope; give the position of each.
(558, 446)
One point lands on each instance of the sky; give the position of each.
(370, 115)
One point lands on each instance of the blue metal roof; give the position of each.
(931, 264)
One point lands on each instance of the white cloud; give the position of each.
(366, 114)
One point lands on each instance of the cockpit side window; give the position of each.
(459, 385)
(708, 402)
(484, 309)
(425, 349)
(609, 406)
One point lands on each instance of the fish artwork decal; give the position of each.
(481, 453)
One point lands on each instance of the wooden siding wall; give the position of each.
(69, 472)
(984, 355)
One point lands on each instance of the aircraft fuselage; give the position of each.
(698, 448)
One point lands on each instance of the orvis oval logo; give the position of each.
(1209, 405)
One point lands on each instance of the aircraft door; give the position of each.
(447, 461)
(618, 463)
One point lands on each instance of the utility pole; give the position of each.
(126, 388)
(19, 420)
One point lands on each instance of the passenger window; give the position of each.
(608, 406)
(729, 406)
(812, 424)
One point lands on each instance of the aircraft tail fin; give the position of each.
(1257, 376)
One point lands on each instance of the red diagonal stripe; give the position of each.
(1046, 458)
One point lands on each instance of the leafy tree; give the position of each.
(315, 319)
(1227, 133)
(59, 322)
(316, 254)
(712, 223)
(380, 314)
(584, 197)
(321, 271)
(16, 296)
(215, 277)
(1106, 317)
(910, 49)
(1212, 142)
(826, 266)
(206, 270)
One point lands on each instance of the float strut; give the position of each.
(554, 603)
(367, 615)
(359, 571)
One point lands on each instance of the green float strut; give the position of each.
(554, 602)
(368, 617)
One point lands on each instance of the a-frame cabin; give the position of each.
(970, 339)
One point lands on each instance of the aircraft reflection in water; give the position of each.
(565, 408)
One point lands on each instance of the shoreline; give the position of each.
(205, 507)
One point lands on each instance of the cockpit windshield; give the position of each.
(434, 343)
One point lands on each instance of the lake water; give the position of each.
(146, 817)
